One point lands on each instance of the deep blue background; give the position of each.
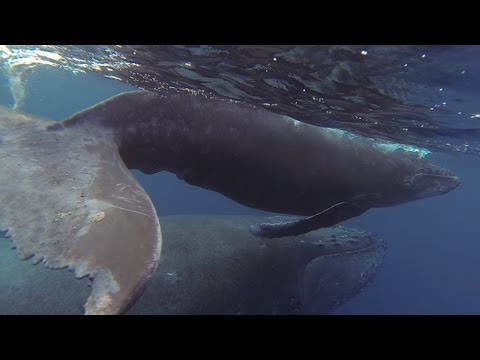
(432, 265)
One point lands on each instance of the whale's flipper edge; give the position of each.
(333, 215)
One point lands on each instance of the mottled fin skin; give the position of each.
(67, 199)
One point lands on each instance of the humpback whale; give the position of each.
(261, 159)
(211, 264)
(68, 197)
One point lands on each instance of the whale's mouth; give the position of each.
(361, 257)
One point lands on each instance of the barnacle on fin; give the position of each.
(99, 216)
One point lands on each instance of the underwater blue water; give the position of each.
(431, 265)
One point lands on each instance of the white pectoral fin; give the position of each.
(69, 201)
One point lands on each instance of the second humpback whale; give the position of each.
(69, 199)
(211, 264)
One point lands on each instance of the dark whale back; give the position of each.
(255, 157)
